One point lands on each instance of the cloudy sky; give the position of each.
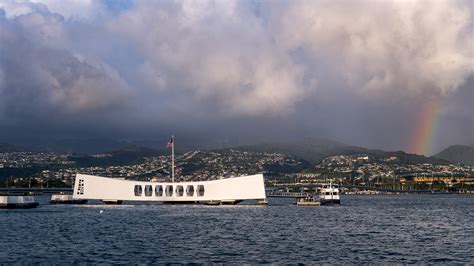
(379, 74)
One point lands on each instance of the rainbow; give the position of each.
(424, 133)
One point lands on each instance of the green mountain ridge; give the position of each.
(315, 150)
(127, 155)
(462, 154)
(312, 150)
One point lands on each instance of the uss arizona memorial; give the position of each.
(224, 191)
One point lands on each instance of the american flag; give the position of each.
(170, 142)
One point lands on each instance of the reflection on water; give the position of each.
(365, 229)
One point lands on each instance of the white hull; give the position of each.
(330, 194)
(66, 199)
(223, 190)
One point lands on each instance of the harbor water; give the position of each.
(364, 229)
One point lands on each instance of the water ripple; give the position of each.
(365, 229)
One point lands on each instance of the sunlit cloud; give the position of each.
(322, 65)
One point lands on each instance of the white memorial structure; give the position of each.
(222, 191)
(225, 191)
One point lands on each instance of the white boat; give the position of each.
(308, 201)
(222, 191)
(330, 194)
(112, 202)
(66, 199)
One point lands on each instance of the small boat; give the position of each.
(330, 194)
(308, 201)
(18, 202)
(213, 202)
(66, 199)
(230, 202)
(112, 202)
(262, 202)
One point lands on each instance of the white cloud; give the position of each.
(84, 10)
(14, 8)
(405, 48)
(317, 63)
(40, 71)
(223, 50)
(218, 50)
(75, 9)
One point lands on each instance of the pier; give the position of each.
(284, 190)
(287, 194)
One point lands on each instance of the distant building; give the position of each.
(391, 159)
(309, 175)
(445, 179)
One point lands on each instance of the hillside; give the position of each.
(458, 154)
(314, 150)
(128, 155)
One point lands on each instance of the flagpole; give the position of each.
(172, 159)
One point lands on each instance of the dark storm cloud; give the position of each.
(43, 80)
(240, 71)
